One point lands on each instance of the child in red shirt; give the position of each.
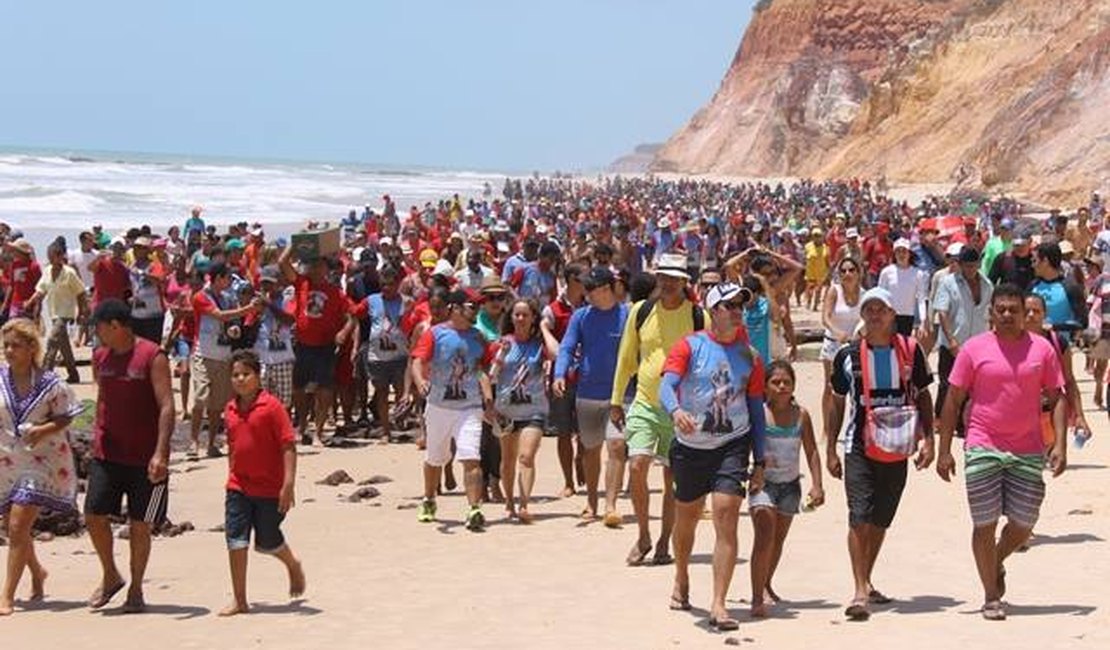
(262, 459)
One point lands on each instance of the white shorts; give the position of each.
(829, 348)
(442, 425)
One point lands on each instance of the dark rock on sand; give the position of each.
(367, 492)
(338, 477)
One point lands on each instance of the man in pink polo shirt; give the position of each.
(1002, 375)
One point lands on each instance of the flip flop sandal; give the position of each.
(993, 611)
(680, 604)
(662, 560)
(133, 607)
(877, 597)
(637, 555)
(102, 596)
(727, 624)
(858, 611)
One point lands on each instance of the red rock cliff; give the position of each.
(1009, 95)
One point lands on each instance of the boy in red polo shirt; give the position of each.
(262, 459)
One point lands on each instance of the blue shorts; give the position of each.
(242, 514)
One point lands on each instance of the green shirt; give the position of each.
(993, 249)
(487, 326)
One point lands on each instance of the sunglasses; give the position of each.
(495, 297)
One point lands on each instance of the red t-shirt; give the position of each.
(321, 312)
(111, 279)
(879, 252)
(256, 441)
(25, 276)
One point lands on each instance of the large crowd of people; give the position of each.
(639, 323)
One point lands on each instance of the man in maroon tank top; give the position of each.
(131, 447)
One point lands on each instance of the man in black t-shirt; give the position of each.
(874, 487)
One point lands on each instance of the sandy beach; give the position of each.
(376, 576)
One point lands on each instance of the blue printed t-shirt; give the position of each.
(532, 282)
(716, 381)
(520, 383)
(387, 341)
(455, 358)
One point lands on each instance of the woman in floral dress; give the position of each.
(36, 462)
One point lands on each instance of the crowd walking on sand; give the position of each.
(631, 323)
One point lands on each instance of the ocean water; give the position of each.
(75, 190)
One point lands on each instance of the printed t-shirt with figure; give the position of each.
(532, 282)
(146, 297)
(387, 340)
(320, 312)
(455, 358)
(520, 383)
(885, 370)
(717, 380)
(210, 342)
(274, 344)
(1004, 380)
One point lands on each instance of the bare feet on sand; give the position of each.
(38, 585)
(235, 608)
(297, 582)
(7, 607)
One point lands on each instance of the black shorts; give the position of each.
(149, 328)
(110, 482)
(314, 364)
(242, 514)
(388, 374)
(562, 414)
(874, 489)
(698, 472)
(903, 325)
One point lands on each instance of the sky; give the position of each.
(493, 85)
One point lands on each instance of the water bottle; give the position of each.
(1081, 437)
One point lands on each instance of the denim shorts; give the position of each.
(243, 514)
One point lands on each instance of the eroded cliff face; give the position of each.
(1002, 95)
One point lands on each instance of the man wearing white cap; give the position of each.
(907, 286)
(651, 330)
(887, 377)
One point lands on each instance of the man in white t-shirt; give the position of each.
(80, 260)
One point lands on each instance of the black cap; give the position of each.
(969, 254)
(112, 309)
(598, 276)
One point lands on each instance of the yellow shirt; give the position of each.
(642, 353)
(60, 294)
(817, 262)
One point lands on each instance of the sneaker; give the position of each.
(475, 520)
(427, 511)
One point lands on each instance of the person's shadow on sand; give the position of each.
(178, 612)
(1043, 610)
(927, 604)
(296, 607)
